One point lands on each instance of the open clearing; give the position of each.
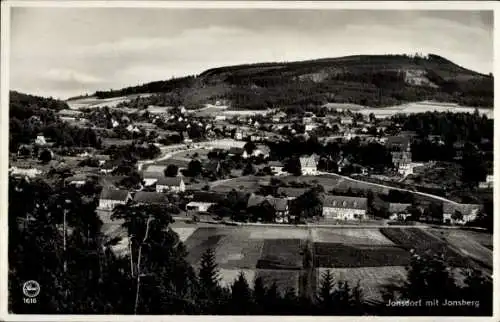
(184, 232)
(278, 233)
(246, 184)
(421, 241)
(468, 244)
(351, 236)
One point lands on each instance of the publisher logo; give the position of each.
(31, 289)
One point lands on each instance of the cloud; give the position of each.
(90, 53)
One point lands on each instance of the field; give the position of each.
(371, 279)
(420, 241)
(281, 254)
(351, 236)
(342, 255)
(246, 184)
(470, 243)
(373, 256)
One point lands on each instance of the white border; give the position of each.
(374, 5)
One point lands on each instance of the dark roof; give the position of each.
(235, 150)
(208, 196)
(275, 164)
(344, 202)
(279, 204)
(255, 200)
(398, 141)
(291, 192)
(150, 197)
(114, 194)
(179, 163)
(398, 207)
(169, 181)
(465, 209)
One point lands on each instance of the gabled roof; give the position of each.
(344, 202)
(309, 161)
(465, 209)
(291, 192)
(275, 164)
(235, 150)
(255, 200)
(114, 194)
(398, 141)
(398, 207)
(150, 197)
(279, 204)
(169, 181)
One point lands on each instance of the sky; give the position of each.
(63, 52)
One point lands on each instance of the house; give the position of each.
(280, 205)
(278, 117)
(150, 197)
(346, 120)
(76, 181)
(488, 183)
(220, 118)
(110, 198)
(291, 193)
(398, 211)
(308, 165)
(402, 161)
(175, 184)
(346, 208)
(197, 206)
(102, 158)
(468, 212)
(310, 127)
(276, 167)
(40, 140)
(107, 168)
(234, 151)
(24, 172)
(398, 143)
(150, 178)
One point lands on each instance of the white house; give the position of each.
(40, 140)
(488, 183)
(220, 117)
(276, 167)
(175, 184)
(110, 198)
(308, 165)
(28, 172)
(346, 208)
(468, 212)
(198, 206)
(399, 211)
(310, 127)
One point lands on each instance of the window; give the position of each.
(334, 203)
(355, 204)
(344, 203)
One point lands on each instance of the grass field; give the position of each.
(371, 279)
(246, 184)
(184, 232)
(284, 279)
(281, 254)
(420, 241)
(342, 255)
(470, 243)
(351, 236)
(278, 233)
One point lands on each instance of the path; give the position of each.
(391, 187)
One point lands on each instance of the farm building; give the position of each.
(291, 193)
(280, 205)
(398, 211)
(110, 198)
(150, 197)
(278, 117)
(308, 165)
(197, 206)
(77, 180)
(27, 172)
(150, 178)
(460, 213)
(276, 167)
(175, 184)
(341, 207)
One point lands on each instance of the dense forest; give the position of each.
(32, 115)
(366, 80)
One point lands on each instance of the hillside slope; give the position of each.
(370, 80)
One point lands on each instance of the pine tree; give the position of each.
(259, 295)
(209, 293)
(273, 299)
(324, 298)
(241, 296)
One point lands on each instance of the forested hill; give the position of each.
(372, 80)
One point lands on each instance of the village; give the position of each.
(196, 158)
